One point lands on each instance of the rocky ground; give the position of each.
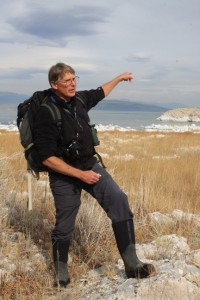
(177, 267)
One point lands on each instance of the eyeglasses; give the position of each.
(69, 81)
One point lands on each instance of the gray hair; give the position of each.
(58, 71)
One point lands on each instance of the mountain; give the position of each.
(114, 105)
(12, 98)
(126, 105)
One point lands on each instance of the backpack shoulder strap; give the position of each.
(55, 113)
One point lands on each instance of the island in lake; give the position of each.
(181, 115)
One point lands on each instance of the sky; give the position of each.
(157, 40)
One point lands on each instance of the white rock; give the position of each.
(171, 246)
(181, 115)
(180, 215)
(158, 219)
(194, 258)
(169, 290)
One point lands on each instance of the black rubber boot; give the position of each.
(125, 239)
(60, 258)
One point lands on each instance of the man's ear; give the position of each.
(54, 85)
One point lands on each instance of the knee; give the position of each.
(119, 208)
(122, 198)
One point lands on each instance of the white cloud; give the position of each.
(157, 40)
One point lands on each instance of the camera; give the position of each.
(95, 139)
(73, 150)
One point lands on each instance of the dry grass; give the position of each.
(159, 172)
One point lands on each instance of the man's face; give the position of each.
(65, 87)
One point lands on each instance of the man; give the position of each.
(73, 166)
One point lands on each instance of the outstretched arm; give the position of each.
(109, 86)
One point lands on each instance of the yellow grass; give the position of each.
(158, 171)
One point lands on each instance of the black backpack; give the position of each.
(26, 112)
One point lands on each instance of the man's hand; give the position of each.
(90, 177)
(109, 86)
(127, 76)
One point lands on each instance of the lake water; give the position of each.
(137, 120)
(125, 119)
(133, 119)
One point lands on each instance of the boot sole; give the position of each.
(142, 272)
(61, 284)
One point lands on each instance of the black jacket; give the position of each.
(75, 131)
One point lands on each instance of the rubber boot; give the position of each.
(60, 258)
(125, 239)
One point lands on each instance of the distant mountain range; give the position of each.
(114, 105)
(125, 105)
(12, 98)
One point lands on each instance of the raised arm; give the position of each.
(109, 86)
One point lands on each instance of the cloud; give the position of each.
(157, 40)
(59, 25)
(140, 57)
(17, 73)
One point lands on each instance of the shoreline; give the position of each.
(149, 128)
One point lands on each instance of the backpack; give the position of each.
(26, 112)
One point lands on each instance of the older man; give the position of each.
(73, 167)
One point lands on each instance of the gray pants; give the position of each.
(67, 192)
